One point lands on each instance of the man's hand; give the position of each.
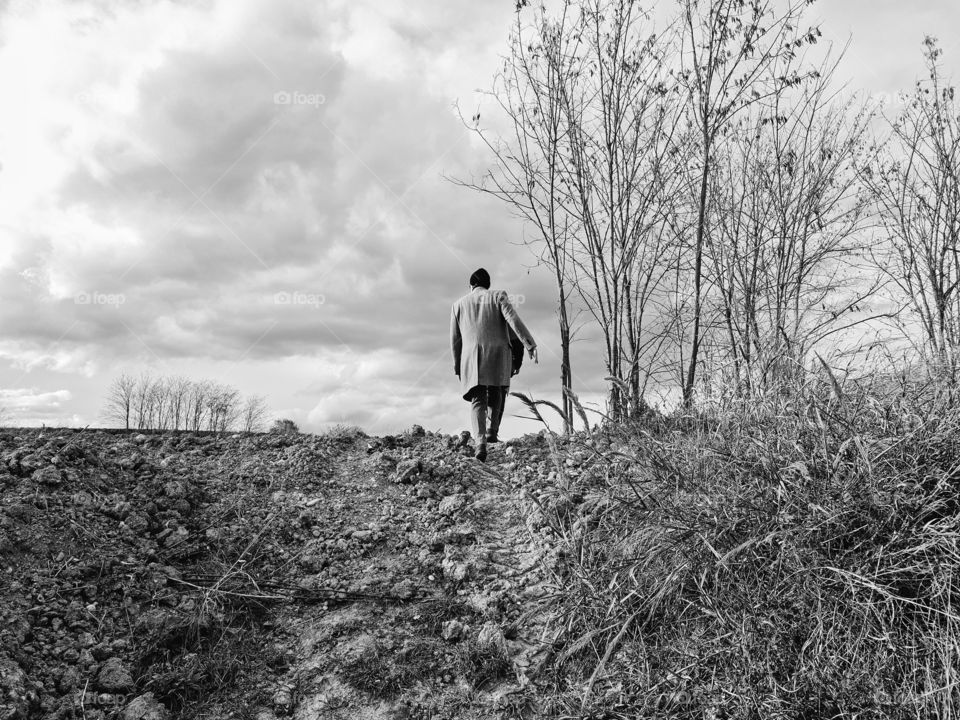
(533, 355)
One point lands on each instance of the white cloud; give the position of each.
(34, 401)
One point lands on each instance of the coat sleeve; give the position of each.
(514, 321)
(456, 340)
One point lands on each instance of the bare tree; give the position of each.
(733, 52)
(213, 406)
(197, 404)
(284, 426)
(585, 93)
(527, 172)
(160, 403)
(622, 115)
(120, 399)
(254, 414)
(785, 237)
(230, 408)
(163, 403)
(915, 185)
(179, 392)
(222, 406)
(143, 398)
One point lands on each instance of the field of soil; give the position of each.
(181, 575)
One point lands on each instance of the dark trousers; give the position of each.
(484, 399)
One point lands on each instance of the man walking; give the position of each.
(480, 324)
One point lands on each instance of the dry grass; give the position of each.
(794, 558)
(384, 671)
(343, 432)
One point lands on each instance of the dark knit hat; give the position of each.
(480, 278)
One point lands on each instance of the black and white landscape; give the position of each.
(235, 480)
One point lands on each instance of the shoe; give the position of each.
(492, 438)
(481, 453)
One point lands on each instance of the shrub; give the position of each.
(343, 432)
(284, 426)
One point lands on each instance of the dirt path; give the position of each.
(442, 539)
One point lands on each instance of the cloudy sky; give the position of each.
(254, 192)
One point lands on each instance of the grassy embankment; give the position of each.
(792, 559)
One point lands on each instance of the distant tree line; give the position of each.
(713, 202)
(146, 402)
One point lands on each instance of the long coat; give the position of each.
(480, 340)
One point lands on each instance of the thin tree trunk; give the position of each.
(698, 277)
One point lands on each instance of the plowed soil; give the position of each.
(253, 576)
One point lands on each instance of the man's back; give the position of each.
(480, 339)
(481, 319)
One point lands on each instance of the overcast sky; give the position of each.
(253, 192)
